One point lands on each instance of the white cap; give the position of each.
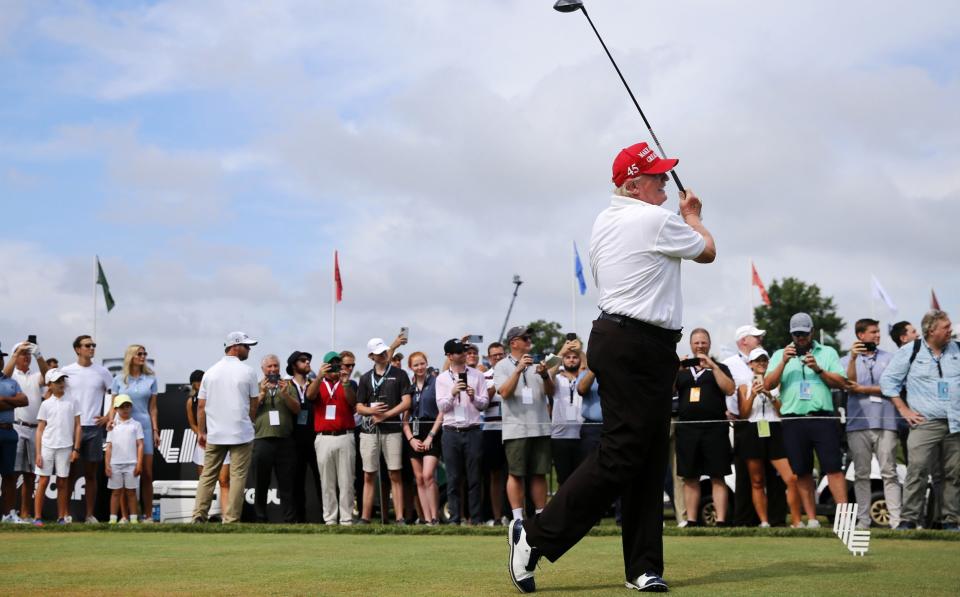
(748, 330)
(234, 338)
(376, 346)
(756, 353)
(53, 375)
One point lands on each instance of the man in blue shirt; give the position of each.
(931, 370)
(10, 398)
(871, 421)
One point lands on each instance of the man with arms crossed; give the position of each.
(635, 254)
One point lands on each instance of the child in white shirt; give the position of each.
(58, 444)
(124, 459)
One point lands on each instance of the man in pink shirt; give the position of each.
(461, 400)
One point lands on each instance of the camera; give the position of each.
(869, 346)
(691, 362)
(273, 377)
(571, 335)
(334, 368)
(801, 350)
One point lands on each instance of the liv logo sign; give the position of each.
(177, 454)
(844, 526)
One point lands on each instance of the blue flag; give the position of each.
(578, 269)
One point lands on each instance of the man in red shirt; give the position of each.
(334, 403)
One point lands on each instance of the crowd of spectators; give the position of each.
(498, 426)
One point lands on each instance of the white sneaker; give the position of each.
(68, 519)
(764, 525)
(12, 518)
(813, 523)
(648, 583)
(92, 519)
(523, 559)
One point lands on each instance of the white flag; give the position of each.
(881, 294)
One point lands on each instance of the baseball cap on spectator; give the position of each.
(518, 330)
(801, 322)
(331, 357)
(235, 338)
(756, 353)
(454, 346)
(294, 357)
(639, 159)
(121, 399)
(53, 375)
(376, 346)
(748, 330)
(467, 347)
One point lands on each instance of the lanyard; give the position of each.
(376, 384)
(523, 374)
(417, 391)
(937, 360)
(873, 363)
(696, 375)
(573, 388)
(302, 392)
(330, 391)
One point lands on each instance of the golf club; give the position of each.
(575, 5)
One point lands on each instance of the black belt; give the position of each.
(813, 413)
(6, 425)
(629, 322)
(342, 432)
(25, 424)
(461, 429)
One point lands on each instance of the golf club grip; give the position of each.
(676, 179)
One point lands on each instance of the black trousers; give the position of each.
(304, 461)
(636, 368)
(273, 455)
(462, 456)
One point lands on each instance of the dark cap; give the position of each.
(453, 346)
(294, 357)
(518, 330)
(196, 376)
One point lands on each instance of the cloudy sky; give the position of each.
(214, 154)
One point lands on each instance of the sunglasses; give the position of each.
(799, 334)
(495, 355)
(303, 360)
(349, 365)
(88, 345)
(141, 354)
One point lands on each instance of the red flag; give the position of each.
(336, 276)
(759, 284)
(934, 303)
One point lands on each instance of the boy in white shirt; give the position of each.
(124, 458)
(58, 444)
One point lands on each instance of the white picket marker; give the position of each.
(844, 526)
(859, 542)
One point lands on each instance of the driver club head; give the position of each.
(568, 5)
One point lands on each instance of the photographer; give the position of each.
(25, 424)
(273, 447)
(805, 371)
(526, 422)
(461, 400)
(703, 448)
(334, 404)
(871, 421)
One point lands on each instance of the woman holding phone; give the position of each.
(421, 427)
(763, 440)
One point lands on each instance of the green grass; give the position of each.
(253, 560)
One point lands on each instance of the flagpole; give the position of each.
(96, 260)
(750, 286)
(333, 301)
(873, 301)
(573, 302)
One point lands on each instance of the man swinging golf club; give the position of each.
(635, 254)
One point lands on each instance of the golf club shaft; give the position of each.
(663, 154)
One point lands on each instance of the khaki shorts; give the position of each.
(528, 456)
(391, 444)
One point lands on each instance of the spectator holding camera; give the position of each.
(461, 400)
(806, 371)
(304, 436)
(930, 369)
(273, 447)
(494, 458)
(761, 440)
(524, 387)
(565, 412)
(422, 428)
(11, 398)
(871, 421)
(383, 396)
(703, 448)
(25, 418)
(334, 401)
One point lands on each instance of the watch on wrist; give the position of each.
(432, 434)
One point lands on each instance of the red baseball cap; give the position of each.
(639, 159)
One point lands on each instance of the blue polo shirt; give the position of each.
(8, 389)
(864, 411)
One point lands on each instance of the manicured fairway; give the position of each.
(252, 563)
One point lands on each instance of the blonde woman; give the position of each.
(138, 381)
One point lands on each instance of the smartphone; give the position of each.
(869, 346)
(571, 335)
(334, 368)
(32, 338)
(405, 332)
(691, 362)
(552, 361)
(463, 378)
(273, 377)
(475, 338)
(757, 379)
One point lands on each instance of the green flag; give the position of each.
(102, 281)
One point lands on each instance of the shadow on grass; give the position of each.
(779, 570)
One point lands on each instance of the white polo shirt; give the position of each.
(60, 415)
(635, 254)
(87, 386)
(123, 440)
(227, 388)
(742, 375)
(30, 384)
(566, 415)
